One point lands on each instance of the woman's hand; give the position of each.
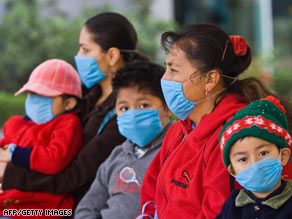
(2, 170)
(5, 157)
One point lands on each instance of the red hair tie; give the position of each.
(239, 45)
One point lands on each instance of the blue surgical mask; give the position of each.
(89, 71)
(175, 99)
(262, 176)
(39, 108)
(177, 102)
(140, 126)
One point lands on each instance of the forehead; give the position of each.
(251, 144)
(175, 55)
(86, 40)
(177, 58)
(132, 94)
(86, 35)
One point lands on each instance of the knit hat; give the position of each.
(263, 119)
(53, 77)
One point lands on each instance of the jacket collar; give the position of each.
(224, 110)
(128, 146)
(276, 201)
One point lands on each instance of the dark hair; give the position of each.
(143, 75)
(114, 30)
(204, 46)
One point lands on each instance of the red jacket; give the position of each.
(46, 148)
(187, 178)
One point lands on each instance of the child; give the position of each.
(255, 145)
(48, 137)
(143, 118)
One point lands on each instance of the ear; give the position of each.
(70, 103)
(169, 113)
(231, 170)
(212, 78)
(164, 115)
(285, 156)
(113, 55)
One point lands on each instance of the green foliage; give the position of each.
(276, 76)
(148, 28)
(27, 39)
(282, 83)
(10, 106)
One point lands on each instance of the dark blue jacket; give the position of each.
(243, 204)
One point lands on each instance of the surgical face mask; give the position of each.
(39, 108)
(262, 176)
(140, 126)
(175, 99)
(89, 71)
(177, 102)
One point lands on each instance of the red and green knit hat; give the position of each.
(263, 119)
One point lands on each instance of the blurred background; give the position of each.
(32, 31)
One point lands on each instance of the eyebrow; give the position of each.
(121, 102)
(172, 64)
(140, 99)
(257, 147)
(263, 145)
(238, 153)
(83, 44)
(143, 98)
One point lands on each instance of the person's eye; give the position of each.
(263, 153)
(170, 69)
(242, 159)
(123, 108)
(144, 106)
(84, 50)
(173, 70)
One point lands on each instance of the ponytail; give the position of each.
(251, 89)
(133, 56)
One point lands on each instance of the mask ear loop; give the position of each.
(194, 75)
(235, 79)
(206, 92)
(128, 50)
(232, 173)
(280, 156)
(208, 97)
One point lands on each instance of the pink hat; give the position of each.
(53, 77)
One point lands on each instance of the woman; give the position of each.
(187, 178)
(107, 41)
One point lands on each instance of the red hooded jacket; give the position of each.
(46, 148)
